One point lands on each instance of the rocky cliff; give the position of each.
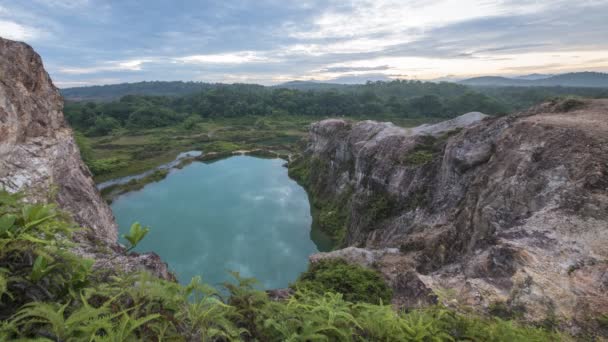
(39, 157)
(504, 214)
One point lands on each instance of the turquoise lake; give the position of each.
(238, 214)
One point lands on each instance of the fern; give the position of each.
(83, 323)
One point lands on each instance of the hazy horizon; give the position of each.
(89, 42)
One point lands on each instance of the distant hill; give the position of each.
(113, 92)
(116, 91)
(104, 93)
(575, 79)
(310, 85)
(336, 83)
(533, 77)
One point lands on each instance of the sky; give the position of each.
(88, 42)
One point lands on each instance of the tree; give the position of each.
(104, 125)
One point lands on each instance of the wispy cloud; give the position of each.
(64, 4)
(341, 69)
(225, 58)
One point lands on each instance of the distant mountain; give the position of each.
(116, 91)
(309, 85)
(534, 77)
(575, 79)
(360, 79)
(494, 81)
(447, 78)
(178, 88)
(339, 82)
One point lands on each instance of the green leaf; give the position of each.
(6, 222)
(136, 234)
(40, 268)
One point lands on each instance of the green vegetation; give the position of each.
(126, 152)
(355, 283)
(570, 103)
(424, 152)
(49, 294)
(379, 207)
(328, 214)
(521, 98)
(398, 99)
(116, 91)
(135, 133)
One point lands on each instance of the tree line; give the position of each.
(404, 99)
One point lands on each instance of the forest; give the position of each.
(374, 100)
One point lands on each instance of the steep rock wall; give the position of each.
(37, 148)
(509, 211)
(38, 156)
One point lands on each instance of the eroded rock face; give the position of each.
(38, 154)
(37, 148)
(510, 210)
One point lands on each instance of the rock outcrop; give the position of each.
(38, 154)
(508, 212)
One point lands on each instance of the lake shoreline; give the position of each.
(243, 200)
(113, 188)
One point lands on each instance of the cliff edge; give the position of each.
(505, 214)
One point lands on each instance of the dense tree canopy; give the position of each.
(402, 99)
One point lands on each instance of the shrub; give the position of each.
(570, 104)
(355, 283)
(191, 122)
(108, 165)
(86, 151)
(103, 125)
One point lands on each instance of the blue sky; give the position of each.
(85, 42)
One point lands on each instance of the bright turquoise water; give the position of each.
(241, 214)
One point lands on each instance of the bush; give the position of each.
(108, 165)
(355, 283)
(103, 125)
(86, 151)
(191, 122)
(152, 117)
(570, 104)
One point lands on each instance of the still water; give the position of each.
(240, 214)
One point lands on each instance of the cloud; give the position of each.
(96, 81)
(342, 69)
(128, 65)
(15, 31)
(224, 58)
(64, 4)
(270, 41)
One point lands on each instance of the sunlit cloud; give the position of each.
(224, 58)
(15, 31)
(129, 65)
